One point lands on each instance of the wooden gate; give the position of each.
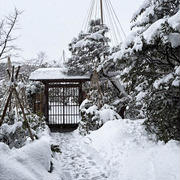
(63, 104)
(62, 97)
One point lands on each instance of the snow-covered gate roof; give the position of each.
(55, 74)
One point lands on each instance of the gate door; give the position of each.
(63, 104)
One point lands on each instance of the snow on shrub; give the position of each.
(107, 113)
(14, 132)
(92, 118)
(151, 55)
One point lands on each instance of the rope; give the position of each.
(96, 10)
(116, 30)
(109, 22)
(88, 16)
(116, 26)
(117, 18)
(91, 12)
(112, 23)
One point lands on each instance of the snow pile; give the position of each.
(174, 39)
(81, 44)
(130, 154)
(108, 113)
(30, 162)
(145, 10)
(92, 117)
(8, 129)
(96, 36)
(145, 4)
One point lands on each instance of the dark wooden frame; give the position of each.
(57, 83)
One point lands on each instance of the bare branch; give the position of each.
(5, 34)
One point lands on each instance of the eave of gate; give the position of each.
(63, 85)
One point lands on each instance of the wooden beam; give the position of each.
(80, 94)
(46, 109)
(6, 106)
(24, 116)
(101, 6)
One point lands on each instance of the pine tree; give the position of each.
(152, 54)
(88, 49)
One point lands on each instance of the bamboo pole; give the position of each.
(24, 116)
(13, 77)
(101, 6)
(6, 106)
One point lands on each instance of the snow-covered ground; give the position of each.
(119, 150)
(31, 162)
(78, 160)
(130, 155)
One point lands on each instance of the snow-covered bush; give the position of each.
(14, 130)
(17, 122)
(148, 60)
(108, 113)
(92, 117)
(32, 89)
(88, 49)
(90, 52)
(163, 110)
(89, 117)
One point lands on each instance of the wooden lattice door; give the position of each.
(63, 104)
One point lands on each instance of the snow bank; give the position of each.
(130, 154)
(107, 113)
(30, 162)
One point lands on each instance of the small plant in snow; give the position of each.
(92, 117)
(14, 133)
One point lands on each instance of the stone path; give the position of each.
(78, 161)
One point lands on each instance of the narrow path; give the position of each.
(78, 161)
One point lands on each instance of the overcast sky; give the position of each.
(49, 25)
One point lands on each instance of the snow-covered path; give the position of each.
(78, 161)
(119, 150)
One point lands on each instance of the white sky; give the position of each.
(49, 25)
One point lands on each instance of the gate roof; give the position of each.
(55, 74)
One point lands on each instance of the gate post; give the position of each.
(80, 93)
(46, 109)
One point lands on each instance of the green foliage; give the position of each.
(163, 111)
(14, 131)
(149, 70)
(90, 119)
(88, 49)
